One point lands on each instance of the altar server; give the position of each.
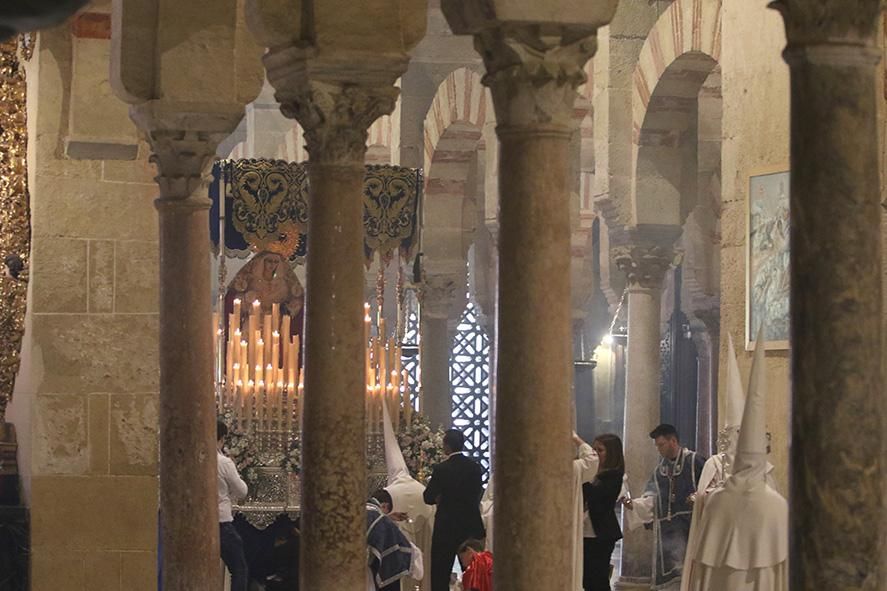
(743, 538)
(232, 488)
(666, 505)
(392, 557)
(414, 518)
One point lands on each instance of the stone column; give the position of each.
(645, 268)
(837, 383)
(707, 343)
(183, 146)
(335, 106)
(437, 314)
(533, 79)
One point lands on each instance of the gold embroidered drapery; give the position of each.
(15, 217)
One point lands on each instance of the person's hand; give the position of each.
(577, 440)
(398, 516)
(691, 499)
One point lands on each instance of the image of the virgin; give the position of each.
(268, 279)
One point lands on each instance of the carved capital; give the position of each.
(183, 145)
(336, 117)
(439, 295)
(831, 22)
(334, 100)
(644, 266)
(533, 77)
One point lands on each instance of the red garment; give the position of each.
(479, 574)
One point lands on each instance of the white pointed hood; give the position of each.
(735, 391)
(397, 466)
(406, 491)
(751, 453)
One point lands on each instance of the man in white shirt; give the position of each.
(232, 488)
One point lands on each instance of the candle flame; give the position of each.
(256, 303)
(236, 300)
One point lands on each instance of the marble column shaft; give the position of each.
(334, 424)
(335, 108)
(188, 478)
(187, 414)
(837, 503)
(437, 401)
(533, 92)
(642, 413)
(645, 265)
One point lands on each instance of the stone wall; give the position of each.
(89, 384)
(756, 135)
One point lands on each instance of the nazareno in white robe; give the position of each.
(743, 538)
(584, 470)
(406, 495)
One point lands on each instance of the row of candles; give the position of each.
(387, 382)
(262, 378)
(263, 383)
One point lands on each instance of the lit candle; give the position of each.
(300, 400)
(269, 379)
(260, 354)
(244, 362)
(252, 328)
(250, 404)
(377, 404)
(275, 355)
(395, 399)
(266, 329)
(238, 395)
(237, 309)
(229, 362)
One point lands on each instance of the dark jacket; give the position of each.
(600, 497)
(456, 488)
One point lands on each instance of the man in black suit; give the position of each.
(456, 488)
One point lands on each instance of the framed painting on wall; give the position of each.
(767, 258)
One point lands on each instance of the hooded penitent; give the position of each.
(406, 491)
(745, 523)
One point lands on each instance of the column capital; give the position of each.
(438, 295)
(644, 265)
(830, 22)
(533, 77)
(335, 100)
(183, 141)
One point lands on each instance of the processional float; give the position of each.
(260, 212)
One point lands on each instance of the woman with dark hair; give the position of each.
(601, 526)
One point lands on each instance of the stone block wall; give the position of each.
(755, 135)
(86, 402)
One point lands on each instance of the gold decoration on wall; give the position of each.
(15, 216)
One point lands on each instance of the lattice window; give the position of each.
(470, 384)
(410, 346)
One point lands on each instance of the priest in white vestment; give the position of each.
(584, 470)
(742, 542)
(406, 495)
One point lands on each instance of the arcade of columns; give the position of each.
(334, 69)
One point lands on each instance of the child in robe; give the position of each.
(478, 566)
